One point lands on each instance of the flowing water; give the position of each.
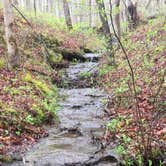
(73, 142)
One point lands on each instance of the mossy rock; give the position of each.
(55, 58)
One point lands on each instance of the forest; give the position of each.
(82, 82)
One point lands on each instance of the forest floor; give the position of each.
(146, 51)
(29, 96)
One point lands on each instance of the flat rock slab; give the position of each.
(58, 159)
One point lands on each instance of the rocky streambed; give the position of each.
(75, 142)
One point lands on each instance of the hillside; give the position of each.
(28, 95)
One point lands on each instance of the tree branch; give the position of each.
(22, 15)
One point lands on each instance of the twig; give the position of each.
(22, 15)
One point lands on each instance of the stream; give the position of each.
(75, 142)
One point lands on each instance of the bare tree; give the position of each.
(34, 6)
(132, 13)
(116, 16)
(13, 58)
(67, 14)
(104, 20)
(147, 5)
(90, 13)
(15, 2)
(28, 5)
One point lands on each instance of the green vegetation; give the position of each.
(80, 38)
(28, 96)
(2, 63)
(85, 75)
(136, 131)
(35, 50)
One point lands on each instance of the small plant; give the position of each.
(55, 58)
(121, 150)
(85, 75)
(114, 125)
(2, 63)
(18, 133)
(37, 83)
(105, 69)
(29, 119)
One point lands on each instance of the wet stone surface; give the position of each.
(92, 57)
(71, 143)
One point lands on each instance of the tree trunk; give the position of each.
(132, 12)
(103, 17)
(67, 14)
(59, 9)
(13, 58)
(90, 13)
(34, 6)
(116, 16)
(28, 5)
(15, 2)
(104, 20)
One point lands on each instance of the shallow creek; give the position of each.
(72, 143)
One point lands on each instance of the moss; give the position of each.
(27, 77)
(37, 83)
(6, 158)
(2, 63)
(55, 58)
(42, 86)
(42, 108)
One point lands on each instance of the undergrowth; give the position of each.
(80, 38)
(28, 97)
(140, 141)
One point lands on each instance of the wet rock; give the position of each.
(74, 72)
(72, 130)
(105, 157)
(16, 157)
(109, 159)
(59, 159)
(76, 106)
(72, 55)
(92, 57)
